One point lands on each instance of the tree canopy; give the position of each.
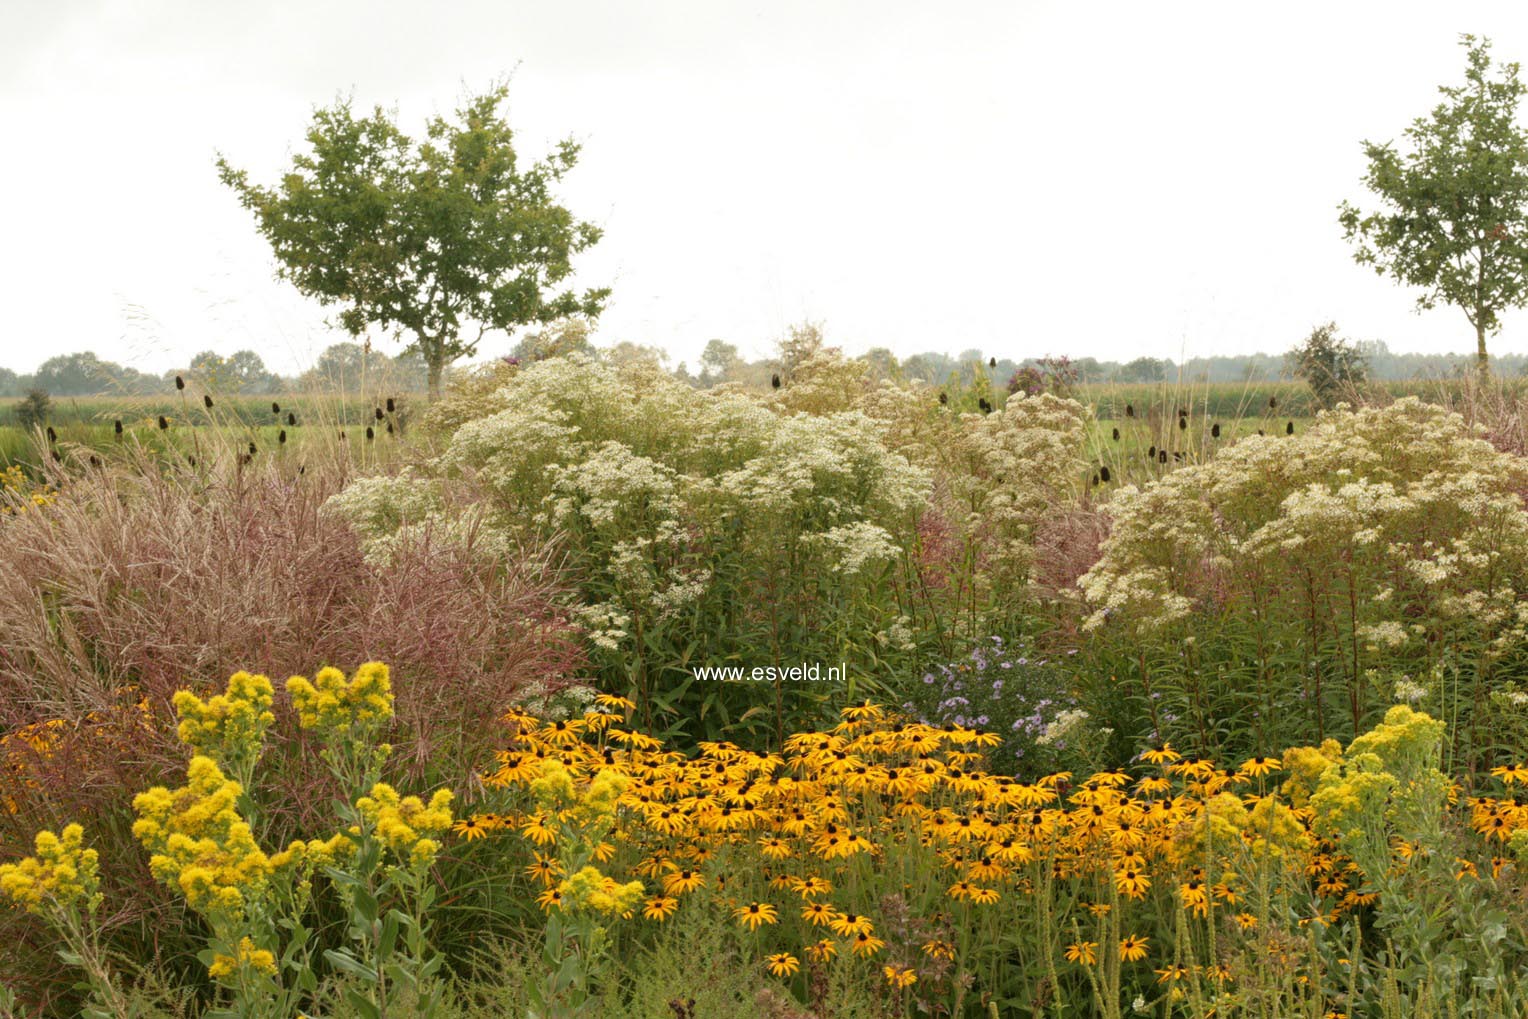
(439, 240)
(1454, 209)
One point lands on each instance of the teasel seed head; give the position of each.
(1215, 430)
(1130, 410)
(207, 400)
(390, 405)
(774, 381)
(281, 437)
(251, 447)
(1103, 472)
(117, 426)
(164, 422)
(991, 362)
(1116, 435)
(379, 413)
(1289, 429)
(944, 398)
(52, 435)
(180, 383)
(291, 418)
(370, 434)
(275, 407)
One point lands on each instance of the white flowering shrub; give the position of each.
(703, 527)
(1381, 537)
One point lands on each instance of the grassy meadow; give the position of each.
(1141, 713)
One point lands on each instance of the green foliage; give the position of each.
(1454, 209)
(32, 412)
(1332, 367)
(431, 238)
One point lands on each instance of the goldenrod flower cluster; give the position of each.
(199, 843)
(250, 956)
(230, 724)
(330, 702)
(404, 824)
(63, 873)
(592, 889)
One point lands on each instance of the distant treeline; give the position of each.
(343, 367)
(721, 362)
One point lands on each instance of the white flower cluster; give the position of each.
(1397, 519)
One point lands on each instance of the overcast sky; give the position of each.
(1109, 179)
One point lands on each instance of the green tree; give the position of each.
(32, 411)
(438, 239)
(1454, 210)
(1330, 365)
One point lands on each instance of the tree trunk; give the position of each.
(1481, 360)
(436, 369)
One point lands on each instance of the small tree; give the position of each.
(1455, 209)
(1330, 365)
(33, 410)
(431, 239)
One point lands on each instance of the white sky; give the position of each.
(1109, 179)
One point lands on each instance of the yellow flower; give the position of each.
(756, 913)
(62, 873)
(900, 976)
(660, 908)
(1133, 948)
(1082, 952)
(334, 705)
(867, 944)
(257, 959)
(782, 964)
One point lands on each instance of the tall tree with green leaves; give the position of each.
(439, 240)
(1454, 209)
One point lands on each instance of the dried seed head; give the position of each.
(180, 383)
(1161, 456)
(389, 428)
(1273, 401)
(164, 422)
(389, 404)
(52, 435)
(370, 434)
(774, 381)
(1183, 424)
(991, 362)
(1116, 435)
(251, 448)
(95, 461)
(1103, 472)
(944, 398)
(275, 407)
(281, 437)
(291, 418)
(207, 401)
(118, 427)
(1289, 429)
(1215, 430)
(1130, 410)
(1151, 452)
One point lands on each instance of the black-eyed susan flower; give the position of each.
(900, 976)
(660, 907)
(866, 944)
(1132, 948)
(1083, 953)
(782, 964)
(755, 914)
